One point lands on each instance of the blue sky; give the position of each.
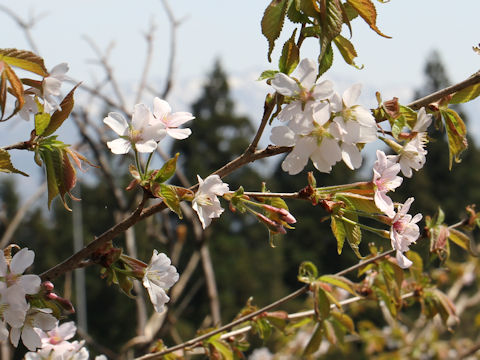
(230, 30)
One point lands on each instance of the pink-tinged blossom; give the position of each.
(159, 276)
(306, 93)
(141, 133)
(168, 121)
(385, 179)
(206, 202)
(404, 232)
(353, 125)
(51, 86)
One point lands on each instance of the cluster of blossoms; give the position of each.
(48, 91)
(15, 312)
(320, 124)
(55, 345)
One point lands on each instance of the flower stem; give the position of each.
(379, 232)
(137, 162)
(148, 162)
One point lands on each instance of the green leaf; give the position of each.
(330, 333)
(294, 14)
(466, 94)
(272, 22)
(168, 194)
(347, 50)
(339, 232)
(331, 21)
(325, 61)
(360, 202)
(340, 282)
(366, 9)
(6, 165)
(167, 171)
(398, 125)
(457, 135)
(223, 348)
(321, 303)
(345, 320)
(307, 272)
(290, 55)
(41, 122)
(311, 31)
(59, 116)
(268, 74)
(315, 340)
(25, 60)
(462, 240)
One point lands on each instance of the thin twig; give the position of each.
(13, 225)
(149, 36)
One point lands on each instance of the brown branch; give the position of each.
(77, 258)
(267, 111)
(472, 80)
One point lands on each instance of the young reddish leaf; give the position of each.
(16, 88)
(290, 55)
(457, 135)
(59, 116)
(272, 22)
(347, 50)
(309, 8)
(37, 84)
(367, 11)
(24, 59)
(466, 94)
(3, 91)
(294, 14)
(6, 165)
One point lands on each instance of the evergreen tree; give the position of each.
(434, 185)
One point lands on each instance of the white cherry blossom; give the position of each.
(385, 179)
(306, 91)
(205, 202)
(12, 273)
(423, 121)
(168, 121)
(159, 276)
(404, 232)
(319, 145)
(412, 155)
(141, 133)
(354, 125)
(51, 86)
(36, 318)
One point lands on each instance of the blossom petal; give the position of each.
(323, 90)
(351, 95)
(402, 260)
(141, 116)
(161, 108)
(117, 123)
(285, 85)
(179, 118)
(282, 136)
(146, 146)
(30, 339)
(30, 283)
(306, 73)
(21, 261)
(119, 146)
(3, 265)
(351, 156)
(179, 134)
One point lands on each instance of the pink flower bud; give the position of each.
(272, 225)
(283, 213)
(47, 285)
